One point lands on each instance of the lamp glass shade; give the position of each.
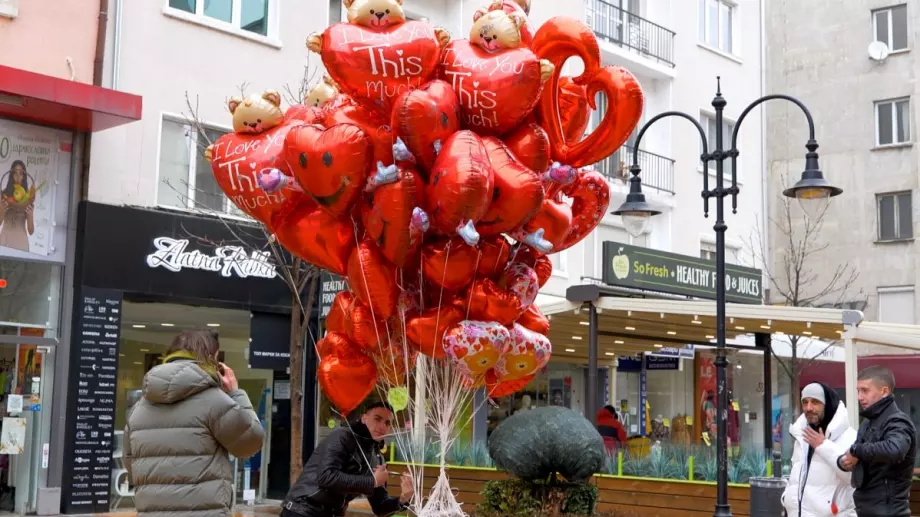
(814, 201)
(636, 223)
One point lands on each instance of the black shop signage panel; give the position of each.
(187, 258)
(91, 402)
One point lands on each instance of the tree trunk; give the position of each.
(299, 320)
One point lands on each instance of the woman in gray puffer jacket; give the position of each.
(180, 433)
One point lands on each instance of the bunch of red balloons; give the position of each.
(436, 176)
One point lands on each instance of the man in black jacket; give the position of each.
(345, 465)
(882, 459)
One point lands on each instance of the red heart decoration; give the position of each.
(425, 118)
(500, 389)
(590, 195)
(237, 159)
(449, 263)
(530, 145)
(336, 343)
(486, 301)
(388, 215)
(540, 263)
(493, 256)
(331, 165)
(375, 66)
(496, 91)
(533, 319)
(347, 381)
(573, 109)
(460, 184)
(337, 319)
(559, 39)
(344, 110)
(517, 194)
(314, 235)
(427, 330)
(304, 113)
(554, 218)
(373, 280)
(363, 328)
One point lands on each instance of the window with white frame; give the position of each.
(890, 26)
(892, 122)
(708, 252)
(185, 177)
(896, 305)
(717, 24)
(895, 216)
(248, 15)
(709, 125)
(560, 263)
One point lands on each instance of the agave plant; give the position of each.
(706, 466)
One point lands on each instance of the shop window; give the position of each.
(185, 177)
(896, 305)
(247, 15)
(708, 252)
(29, 296)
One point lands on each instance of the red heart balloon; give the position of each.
(449, 263)
(425, 118)
(521, 280)
(493, 256)
(304, 113)
(517, 194)
(237, 159)
(394, 361)
(347, 382)
(573, 109)
(317, 237)
(344, 110)
(530, 145)
(373, 280)
(486, 301)
(501, 389)
(496, 91)
(338, 344)
(377, 65)
(363, 328)
(533, 319)
(460, 184)
(388, 216)
(337, 319)
(540, 263)
(554, 218)
(559, 39)
(331, 165)
(590, 198)
(426, 331)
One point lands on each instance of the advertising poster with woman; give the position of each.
(28, 174)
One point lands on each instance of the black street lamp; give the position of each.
(812, 191)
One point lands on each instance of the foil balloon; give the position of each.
(388, 217)
(497, 79)
(303, 113)
(338, 344)
(522, 281)
(426, 331)
(529, 352)
(237, 160)
(493, 256)
(529, 144)
(449, 263)
(394, 360)
(423, 119)
(486, 301)
(573, 109)
(590, 198)
(346, 381)
(337, 319)
(539, 262)
(474, 347)
(373, 280)
(375, 63)
(460, 186)
(503, 389)
(511, 7)
(314, 235)
(363, 328)
(331, 165)
(533, 319)
(344, 110)
(559, 39)
(517, 192)
(557, 177)
(548, 229)
(321, 94)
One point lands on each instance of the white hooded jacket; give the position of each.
(826, 491)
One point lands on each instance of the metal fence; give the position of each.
(657, 171)
(632, 31)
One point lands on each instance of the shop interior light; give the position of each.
(672, 333)
(167, 325)
(658, 345)
(138, 363)
(710, 337)
(144, 349)
(618, 342)
(213, 324)
(611, 354)
(765, 327)
(576, 338)
(139, 326)
(807, 333)
(630, 328)
(739, 327)
(697, 322)
(121, 355)
(569, 349)
(739, 367)
(585, 323)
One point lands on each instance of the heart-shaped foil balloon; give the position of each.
(373, 280)
(590, 199)
(337, 319)
(521, 280)
(529, 352)
(314, 235)
(486, 301)
(460, 186)
(449, 263)
(474, 347)
(344, 110)
(517, 192)
(387, 217)
(533, 319)
(426, 332)
(529, 144)
(423, 119)
(346, 382)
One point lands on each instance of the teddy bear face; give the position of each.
(496, 30)
(375, 14)
(321, 94)
(256, 113)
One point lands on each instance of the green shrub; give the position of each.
(517, 498)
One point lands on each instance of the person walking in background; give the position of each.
(178, 436)
(610, 428)
(882, 459)
(817, 487)
(348, 464)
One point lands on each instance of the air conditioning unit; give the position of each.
(9, 8)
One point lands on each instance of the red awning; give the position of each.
(52, 101)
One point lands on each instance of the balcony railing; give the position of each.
(632, 31)
(657, 171)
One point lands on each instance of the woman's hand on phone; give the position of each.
(228, 379)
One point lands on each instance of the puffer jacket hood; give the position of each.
(177, 380)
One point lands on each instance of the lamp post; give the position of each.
(812, 191)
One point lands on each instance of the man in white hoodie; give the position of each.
(817, 487)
